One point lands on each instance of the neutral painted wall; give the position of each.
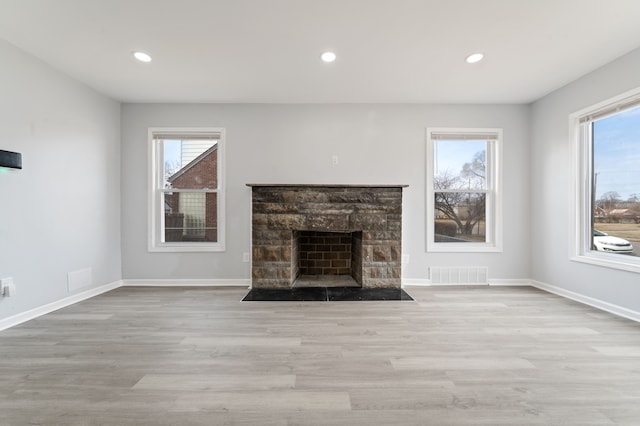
(551, 187)
(383, 144)
(61, 213)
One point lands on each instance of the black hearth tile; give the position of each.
(303, 294)
(344, 294)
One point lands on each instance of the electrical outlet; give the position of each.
(245, 257)
(9, 290)
(334, 160)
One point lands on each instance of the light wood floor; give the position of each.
(199, 356)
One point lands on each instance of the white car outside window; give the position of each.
(607, 243)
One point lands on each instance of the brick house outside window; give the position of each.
(192, 216)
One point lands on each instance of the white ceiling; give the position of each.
(396, 51)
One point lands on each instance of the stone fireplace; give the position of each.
(310, 231)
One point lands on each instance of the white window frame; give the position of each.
(582, 183)
(155, 191)
(493, 219)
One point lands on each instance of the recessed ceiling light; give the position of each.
(476, 57)
(328, 56)
(142, 57)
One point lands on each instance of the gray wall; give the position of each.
(293, 144)
(61, 212)
(551, 187)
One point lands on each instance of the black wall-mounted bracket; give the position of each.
(9, 159)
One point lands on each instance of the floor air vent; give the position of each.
(471, 275)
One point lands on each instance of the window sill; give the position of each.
(186, 248)
(609, 261)
(463, 248)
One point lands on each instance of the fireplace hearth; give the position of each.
(303, 234)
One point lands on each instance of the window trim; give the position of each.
(582, 183)
(155, 217)
(493, 218)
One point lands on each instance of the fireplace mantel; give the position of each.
(372, 213)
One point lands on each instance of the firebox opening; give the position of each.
(326, 259)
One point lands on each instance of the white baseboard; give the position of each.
(416, 281)
(459, 285)
(596, 303)
(496, 282)
(187, 282)
(58, 304)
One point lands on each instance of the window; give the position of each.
(607, 146)
(463, 197)
(186, 190)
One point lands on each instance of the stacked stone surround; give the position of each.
(372, 213)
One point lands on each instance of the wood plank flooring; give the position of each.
(199, 356)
